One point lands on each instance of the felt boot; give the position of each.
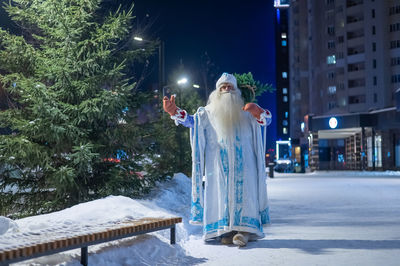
(227, 238)
(241, 239)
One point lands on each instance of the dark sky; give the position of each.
(237, 35)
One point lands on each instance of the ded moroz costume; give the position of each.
(232, 164)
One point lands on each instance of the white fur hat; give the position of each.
(227, 78)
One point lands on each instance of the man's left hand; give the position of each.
(253, 109)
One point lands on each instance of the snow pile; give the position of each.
(7, 225)
(170, 199)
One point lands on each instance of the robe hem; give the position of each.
(195, 222)
(258, 234)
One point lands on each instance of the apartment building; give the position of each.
(344, 73)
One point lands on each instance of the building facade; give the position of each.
(345, 67)
(282, 41)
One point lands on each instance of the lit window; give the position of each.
(283, 35)
(332, 89)
(285, 99)
(286, 114)
(284, 42)
(285, 122)
(331, 59)
(284, 90)
(284, 130)
(284, 75)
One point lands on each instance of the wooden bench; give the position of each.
(46, 245)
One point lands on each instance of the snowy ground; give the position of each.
(323, 218)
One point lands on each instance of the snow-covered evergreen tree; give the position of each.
(72, 106)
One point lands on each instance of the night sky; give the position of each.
(237, 35)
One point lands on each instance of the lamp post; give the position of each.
(181, 82)
(161, 61)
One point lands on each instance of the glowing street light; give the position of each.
(196, 86)
(182, 81)
(137, 38)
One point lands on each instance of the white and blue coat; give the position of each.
(234, 197)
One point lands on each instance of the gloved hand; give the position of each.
(253, 109)
(169, 105)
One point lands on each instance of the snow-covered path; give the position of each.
(323, 218)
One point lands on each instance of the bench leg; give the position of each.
(84, 256)
(172, 238)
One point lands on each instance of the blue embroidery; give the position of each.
(238, 214)
(209, 228)
(224, 160)
(196, 208)
(196, 212)
(238, 180)
(265, 216)
(198, 172)
(239, 190)
(251, 222)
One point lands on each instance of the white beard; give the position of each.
(226, 111)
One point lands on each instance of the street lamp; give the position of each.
(161, 62)
(181, 82)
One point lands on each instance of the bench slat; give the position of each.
(63, 243)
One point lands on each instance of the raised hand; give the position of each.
(169, 105)
(253, 109)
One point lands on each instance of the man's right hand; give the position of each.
(169, 105)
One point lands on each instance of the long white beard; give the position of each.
(226, 110)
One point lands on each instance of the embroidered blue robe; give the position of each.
(234, 197)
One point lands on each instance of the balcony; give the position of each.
(355, 34)
(356, 67)
(351, 3)
(354, 83)
(355, 58)
(355, 42)
(355, 50)
(358, 76)
(355, 18)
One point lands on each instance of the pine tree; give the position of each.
(72, 113)
(251, 88)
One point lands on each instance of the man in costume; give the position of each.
(227, 151)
